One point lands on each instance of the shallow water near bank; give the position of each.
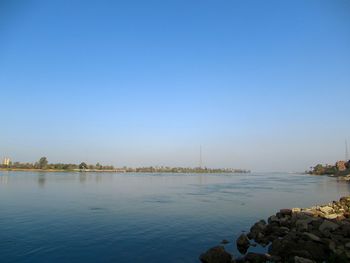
(107, 217)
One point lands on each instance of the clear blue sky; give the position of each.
(263, 85)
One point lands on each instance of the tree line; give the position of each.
(340, 168)
(44, 164)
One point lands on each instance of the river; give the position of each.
(110, 217)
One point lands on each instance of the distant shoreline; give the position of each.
(117, 171)
(56, 170)
(43, 165)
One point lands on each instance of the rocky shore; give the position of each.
(300, 235)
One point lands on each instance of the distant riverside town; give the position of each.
(43, 165)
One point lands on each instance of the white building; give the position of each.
(6, 161)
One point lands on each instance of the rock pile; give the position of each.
(316, 234)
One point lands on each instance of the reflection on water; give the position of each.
(108, 217)
(82, 177)
(41, 179)
(4, 178)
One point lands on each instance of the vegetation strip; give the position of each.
(44, 165)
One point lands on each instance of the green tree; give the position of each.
(319, 169)
(83, 166)
(98, 166)
(43, 163)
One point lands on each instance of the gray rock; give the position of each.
(224, 242)
(216, 255)
(286, 212)
(243, 243)
(257, 228)
(302, 260)
(287, 222)
(309, 212)
(302, 224)
(328, 225)
(272, 219)
(256, 258)
(289, 248)
(312, 237)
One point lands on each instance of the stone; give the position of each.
(302, 224)
(326, 210)
(272, 219)
(257, 228)
(345, 199)
(224, 242)
(286, 212)
(276, 231)
(328, 225)
(312, 237)
(309, 212)
(256, 258)
(315, 224)
(320, 214)
(331, 216)
(288, 248)
(302, 260)
(332, 245)
(285, 221)
(296, 210)
(216, 255)
(243, 243)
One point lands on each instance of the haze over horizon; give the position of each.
(261, 85)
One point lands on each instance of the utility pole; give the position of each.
(346, 151)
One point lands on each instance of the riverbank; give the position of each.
(59, 170)
(339, 169)
(136, 170)
(300, 235)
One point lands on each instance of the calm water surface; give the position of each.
(106, 217)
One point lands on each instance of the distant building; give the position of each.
(6, 161)
(341, 165)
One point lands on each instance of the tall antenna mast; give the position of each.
(346, 151)
(200, 156)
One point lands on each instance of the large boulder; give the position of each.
(256, 258)
(257, 230)
(326, 210)
(216, 255)
(312, 237)
(289, 248)
(286, 212)
(243, 243)
(328, 225)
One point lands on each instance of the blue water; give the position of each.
(107, 217)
